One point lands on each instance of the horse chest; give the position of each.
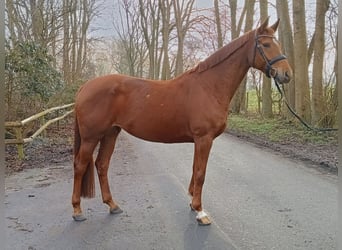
(208, 121)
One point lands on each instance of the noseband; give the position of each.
(269, 63)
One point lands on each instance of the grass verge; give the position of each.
(278, 130)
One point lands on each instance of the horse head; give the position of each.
(267, 55)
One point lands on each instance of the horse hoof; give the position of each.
(203, 219)
(79, 217)
(116, 210)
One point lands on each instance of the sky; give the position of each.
(103, 24)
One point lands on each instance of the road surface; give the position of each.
(256, 199)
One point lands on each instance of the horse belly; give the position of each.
(157, 130)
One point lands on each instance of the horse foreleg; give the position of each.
(82, 162)
(202, 149)
(107, 145)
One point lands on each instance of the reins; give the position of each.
(269, 63)
(293, 112)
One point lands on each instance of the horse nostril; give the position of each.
(287, 75)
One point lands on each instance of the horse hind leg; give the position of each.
(106, 149)
(83, 178)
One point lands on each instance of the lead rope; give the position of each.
(282, 96)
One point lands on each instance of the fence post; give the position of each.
(42, 122)
(18, 127)
(20, 145)
(58, 120)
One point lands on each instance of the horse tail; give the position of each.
(88, 183)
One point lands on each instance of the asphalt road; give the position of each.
(256, 199)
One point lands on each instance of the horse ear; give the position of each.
(263, 26)
(275, 25)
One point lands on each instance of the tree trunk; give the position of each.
(232, 4)
(238, 101)
(234, 34)
(318, 105)
(286, 39)
(301, 61)
(165, 7)
(266, 82)
(128, 57)
(66, 41)
(218, 24)
(11, 21)
(335, 93)
(37, 20)
(74, 39)
(182, 12)
(149, 21)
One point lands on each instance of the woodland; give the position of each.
(53, 46)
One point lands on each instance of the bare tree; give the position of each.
(11, 22)
(66, 41)
(236, 24)
(36, 7)
(77, 16)
(333, 34)
(60, 26)
(301, 61)
(218, 24)
(318, 105)
(34, 20)
(266, 82)
(212, 34)
(286, 39)
(167, 27)
(238, 102)
(150, 13)
(182, 11)
(129, 53)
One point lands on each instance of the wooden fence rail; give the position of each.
(17, 127)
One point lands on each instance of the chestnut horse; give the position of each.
(192, 107)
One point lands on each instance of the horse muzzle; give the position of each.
(280, 75)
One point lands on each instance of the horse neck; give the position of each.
(226, 77)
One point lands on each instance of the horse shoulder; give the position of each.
(208, 115)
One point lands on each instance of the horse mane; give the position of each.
(223, 53)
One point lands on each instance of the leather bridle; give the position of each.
(270, 62)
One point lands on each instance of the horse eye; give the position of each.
(266, 45)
